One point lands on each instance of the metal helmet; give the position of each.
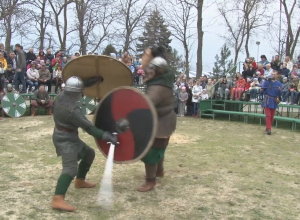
(9, 87)
(74, 84)
(160, 64)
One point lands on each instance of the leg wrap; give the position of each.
(86, 161)
(63, 184)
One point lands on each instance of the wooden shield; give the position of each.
(13, 105)
(113, 72)
(87, 105)
(130, 105)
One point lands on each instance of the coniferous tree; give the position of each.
(156, 32)
(109, 49)
(223, 64)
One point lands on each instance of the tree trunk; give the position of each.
(63, 44)
(247, 43)
(8, 33)
(200, 39)
(187, 67)
(42, 26)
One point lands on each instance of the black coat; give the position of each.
(284, 72)
(30, 57)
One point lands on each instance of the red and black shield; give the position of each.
(129, 105)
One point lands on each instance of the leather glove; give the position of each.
(110, 138)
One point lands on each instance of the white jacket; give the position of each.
(32, 73)
(197, 90)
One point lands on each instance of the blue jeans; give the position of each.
(20, 76)
(254, 93)
(294, 95)
(32, 83)
(196, 107)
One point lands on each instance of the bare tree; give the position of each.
(292, 34)
(15, 19)
(255, 18)
(198, 4)
(242, 19)
(132, 16)
(236, 26)
(7, 7)
(42, 19)
(90, 14)
(179, 17)
(62, 30)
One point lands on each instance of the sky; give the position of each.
(212, 41)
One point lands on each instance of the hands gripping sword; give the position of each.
(105, 194)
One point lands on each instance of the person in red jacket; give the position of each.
(240, 87)
(254, 64)
(56, 61)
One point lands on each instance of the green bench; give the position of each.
(294, 121)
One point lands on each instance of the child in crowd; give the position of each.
(254, 89)
(141, 74)
(183, 97)
(204, 95)
(285, 89)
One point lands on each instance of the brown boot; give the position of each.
(50, 111)
(32, 111)
(81, 183)
(58, 202)
(150, 178)
(147, 186)
(160, 168)
(160, 173)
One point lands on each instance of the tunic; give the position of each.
(271, 92)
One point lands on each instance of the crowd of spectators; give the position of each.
(244, 86)
(28, 70)
(135, 66)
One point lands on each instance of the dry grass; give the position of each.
(214, 170)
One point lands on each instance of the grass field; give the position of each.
(214, 170)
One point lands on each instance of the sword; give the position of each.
(105, 194)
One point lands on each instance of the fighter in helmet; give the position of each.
(68, 118)
(159, 83)
(9, 89)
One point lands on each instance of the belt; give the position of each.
(64, 129)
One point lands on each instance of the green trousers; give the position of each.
(71, 169)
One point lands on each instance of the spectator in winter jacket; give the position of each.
(42, 55)
(30, 56)
(32, 76)
(56, 61)
(64, 62)
(263, 61)
(254, 89)
(183, 96)
(45, 77)
(49, 55)
(240, 87)
(275, 63)
(9, 73)
(3, 61)
(285, 89)
(2, 49)
(210, 89)
(224, 88)
(284, 71)
(196, 92)
(289, 63)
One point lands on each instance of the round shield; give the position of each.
(108, 72)
(87, 105)
(128, 112)
(13, 105)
